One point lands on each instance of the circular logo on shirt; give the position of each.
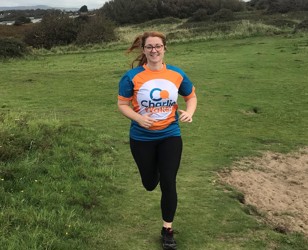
(157, 96)
(161, 94)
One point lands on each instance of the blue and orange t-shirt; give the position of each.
(155, 92)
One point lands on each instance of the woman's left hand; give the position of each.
(185, 116)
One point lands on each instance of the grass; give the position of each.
(53, 176)
(68, 180)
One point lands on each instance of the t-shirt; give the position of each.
(155, 92)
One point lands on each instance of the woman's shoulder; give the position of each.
(134, 71)
(175, 68)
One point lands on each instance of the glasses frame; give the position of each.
(157, 47)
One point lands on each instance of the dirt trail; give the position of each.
(277, 185)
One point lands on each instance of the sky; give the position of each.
(91, 4)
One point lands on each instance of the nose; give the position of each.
(153, 48)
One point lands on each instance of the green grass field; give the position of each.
(68, 181)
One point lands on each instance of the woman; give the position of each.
(148, 97)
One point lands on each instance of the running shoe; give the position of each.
(167, 239)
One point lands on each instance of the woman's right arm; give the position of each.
(126, 110)
(143, 120)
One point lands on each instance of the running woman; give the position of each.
(148, 96)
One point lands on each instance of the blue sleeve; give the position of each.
(126, 86)
(186, 87)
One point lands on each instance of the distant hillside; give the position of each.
(42, 7)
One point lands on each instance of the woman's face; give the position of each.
(154, 50)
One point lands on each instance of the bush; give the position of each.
(281, 23)
(302, 26)
(223, 15)
(98, 29)
(22, 20)
(199, 16)
(10, 48)
(55, 29)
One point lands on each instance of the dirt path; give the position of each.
(277, 186)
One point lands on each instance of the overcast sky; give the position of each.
(91, 4)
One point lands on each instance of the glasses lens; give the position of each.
(156, 47)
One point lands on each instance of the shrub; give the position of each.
(22, 20)
(281, 23)
(302, 26)
(98, 29)
(223, 15)
(199, 16)
(10, 48)
(55, 29)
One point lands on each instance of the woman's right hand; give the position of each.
(146, 121)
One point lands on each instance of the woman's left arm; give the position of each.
(191, 105)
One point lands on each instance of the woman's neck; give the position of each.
(155, 66)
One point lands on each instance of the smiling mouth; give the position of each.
(154, 54)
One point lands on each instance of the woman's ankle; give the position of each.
(167, 224)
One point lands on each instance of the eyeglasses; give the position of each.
(157, 47)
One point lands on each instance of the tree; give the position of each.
(83, 9)
(279, 6)
(22, 20)
(137, 11)
(130, 11)
(233, 5)
(56, 28)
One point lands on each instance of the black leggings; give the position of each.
(158, 162)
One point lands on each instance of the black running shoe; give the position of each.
(167, 239)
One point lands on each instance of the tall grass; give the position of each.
(53, 177)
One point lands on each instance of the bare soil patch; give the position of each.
(277, 186)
